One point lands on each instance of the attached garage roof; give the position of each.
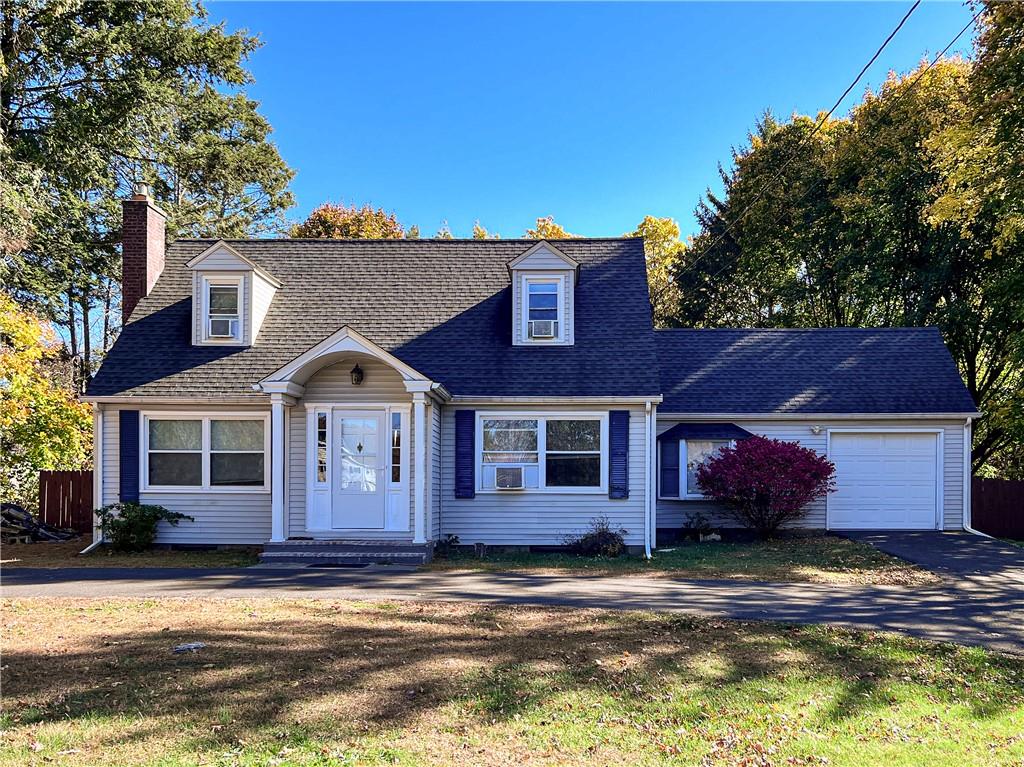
(828, 370)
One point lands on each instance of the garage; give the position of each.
(885, 480)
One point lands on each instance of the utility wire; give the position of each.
(881, 117)
(807, 137)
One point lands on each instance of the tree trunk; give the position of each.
(106, 316)
(86, 344)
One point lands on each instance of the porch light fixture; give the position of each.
(815, 429)
(357, 375)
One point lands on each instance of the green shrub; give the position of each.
(132, 526)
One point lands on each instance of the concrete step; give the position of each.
(320, 553)
(344, 546)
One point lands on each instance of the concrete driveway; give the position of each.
(971, 560)
(993, 618)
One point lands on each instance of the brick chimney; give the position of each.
(142, 248)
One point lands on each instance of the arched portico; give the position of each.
(391, 397)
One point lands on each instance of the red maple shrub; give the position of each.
(766, 483)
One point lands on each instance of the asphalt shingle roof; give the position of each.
(831, 370)
(442, 306)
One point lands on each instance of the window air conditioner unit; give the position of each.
(543, 328)
(223, 328)
(508, 478)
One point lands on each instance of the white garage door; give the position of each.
(885, 481)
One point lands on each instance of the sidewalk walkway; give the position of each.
(992, 618)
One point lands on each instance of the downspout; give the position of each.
(967, 482)
(97, 475)
(648, 415)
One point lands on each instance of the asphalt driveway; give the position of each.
(992, 618)
(967, 558)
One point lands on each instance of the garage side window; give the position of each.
(695, 453)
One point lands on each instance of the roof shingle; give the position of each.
(821, 370)
(442, 306)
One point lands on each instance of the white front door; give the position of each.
(884, 481)
(358, 494)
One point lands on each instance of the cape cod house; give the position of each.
(355, 395)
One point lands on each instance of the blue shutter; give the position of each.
(465, 453)
(618, 454)
(669, 468)
(129, 456)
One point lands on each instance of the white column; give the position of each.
(277, 464)
(420, 440)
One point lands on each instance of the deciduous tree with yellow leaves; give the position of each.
(42, 424)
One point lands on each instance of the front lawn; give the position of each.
(818, 559)
(66, 554)
(306, 682)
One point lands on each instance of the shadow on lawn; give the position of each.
(349, 670)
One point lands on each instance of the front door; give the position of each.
(357, 501)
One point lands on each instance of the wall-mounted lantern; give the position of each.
(357, 375)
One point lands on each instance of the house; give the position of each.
(384, 394)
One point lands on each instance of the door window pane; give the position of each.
(175, 435)
(178, 469)
(236, 435)
(236, 469)
(321, 447)
(396, 447)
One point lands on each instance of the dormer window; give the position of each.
(224, 309)
(542, 309)
(543, 297)
(231, 296)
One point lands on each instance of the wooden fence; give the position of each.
(65, 499)
(997, 507)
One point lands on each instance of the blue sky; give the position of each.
(595, 113)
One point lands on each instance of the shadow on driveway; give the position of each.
(993, 617)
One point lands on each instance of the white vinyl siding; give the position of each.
(672, 513)
(540, 519)
(236, 517)
(434, 496)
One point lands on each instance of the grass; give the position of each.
(65, 554)
(817, 559)
(316, 683)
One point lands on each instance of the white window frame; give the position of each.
(524, 300)
(205, 418)
(223, 281)
(683, 494)
(542, 418)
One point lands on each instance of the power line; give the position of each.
(885, 113)
(807, 137)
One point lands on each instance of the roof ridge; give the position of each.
(418, 240)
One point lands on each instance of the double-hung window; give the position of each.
(543, 308)
(223, 312)
(555, 452)
(205, 452)
(694, 453)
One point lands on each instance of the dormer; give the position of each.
(230, 297)
(543, 297)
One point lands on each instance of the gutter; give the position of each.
(648, 431)
(967, 483)
(815, 416)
